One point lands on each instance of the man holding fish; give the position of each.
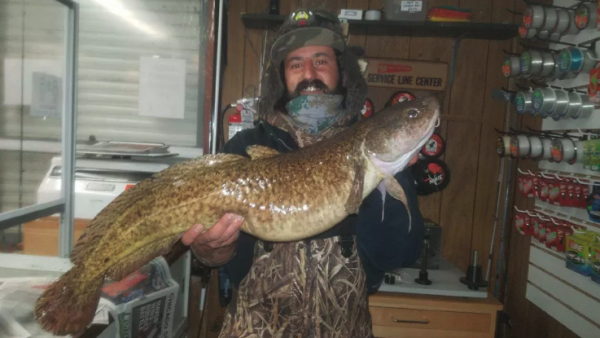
(316, 287)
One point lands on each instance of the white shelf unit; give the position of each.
(570, 298)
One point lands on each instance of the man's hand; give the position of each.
(215, 246)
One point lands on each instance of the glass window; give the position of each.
(33, 50)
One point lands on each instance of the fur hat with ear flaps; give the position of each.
(312, 27)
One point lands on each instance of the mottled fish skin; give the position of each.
(282, 197)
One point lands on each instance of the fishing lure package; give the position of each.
(578, 253)
(595, 262)
(593, 204)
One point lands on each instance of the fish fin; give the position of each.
(140, 257)
(209, 160)
(68, 305)
(396, 191)
(91, 236)
(356, 192)
(383, 191)
(257, 151)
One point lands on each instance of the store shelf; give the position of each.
(472, 30)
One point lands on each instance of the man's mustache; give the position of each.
(318, 84)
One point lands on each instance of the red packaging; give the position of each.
(536, 227)
(536, 185)
(521, 185)
(562, 195)
(520, 222)
(542, 231)
(528, 228)
(554, 192)
(544, 193)
(556, 238)
(551, 230)
(570, 197)
(528, 186)
(585, 192)
(562, 234)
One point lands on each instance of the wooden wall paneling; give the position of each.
(395, 47)
(466, 98)
(287, 6)
(333, 6)
(358, 39)
(233, 76)
(437, 50)
(253, 51)
(430, 205)
(489, 163)
(456, 214)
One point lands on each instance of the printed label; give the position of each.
(593, 85)
(525, 62)
(557, 154)
(564, 60)
(506, 68)
(537, 100)
(582, 17)
(411, 6)
(514, 148)
(434, 146)
(523, 32)
(528, 18)
(575, 246)
(520, 103)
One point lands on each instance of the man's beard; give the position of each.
(316, 84)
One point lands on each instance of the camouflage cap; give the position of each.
(308, 33)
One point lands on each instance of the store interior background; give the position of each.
(108, 96)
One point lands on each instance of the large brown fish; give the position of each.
(282, 197)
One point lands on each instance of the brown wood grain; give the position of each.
(333, 6)
(288, 6)
(396, 47)
(489, 163)
(235, 57)
(456, 216)
(358, 39)
(253, 51)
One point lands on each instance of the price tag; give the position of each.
(411, 6)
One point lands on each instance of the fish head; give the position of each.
(397, 133)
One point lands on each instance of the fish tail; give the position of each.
(68, 305)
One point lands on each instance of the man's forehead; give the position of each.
(311, 51)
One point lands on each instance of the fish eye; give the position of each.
(413, 113)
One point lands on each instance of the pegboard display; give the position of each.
(564, 227)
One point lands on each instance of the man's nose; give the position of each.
(309, 71)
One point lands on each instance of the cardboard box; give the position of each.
(407, 74)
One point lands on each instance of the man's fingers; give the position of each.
(232, 239)
(190, 235)
(233, 227)
(215, 233)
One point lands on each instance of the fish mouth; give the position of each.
(395, 166)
